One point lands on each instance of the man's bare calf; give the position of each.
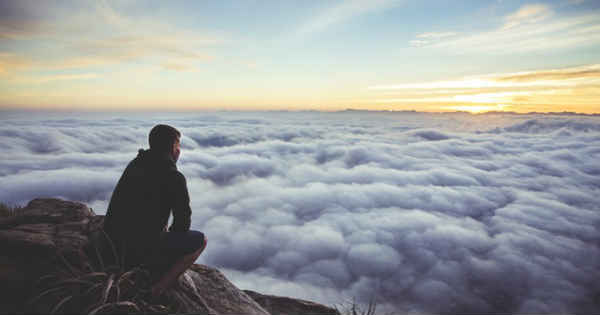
(178, 268)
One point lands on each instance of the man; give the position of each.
(136, 220)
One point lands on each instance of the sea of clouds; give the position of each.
(426, 213)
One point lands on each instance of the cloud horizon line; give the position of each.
(346, 110)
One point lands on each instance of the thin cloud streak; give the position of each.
(121, 39)
(424, 39)
(528, 14)
(531, 28)
(342, 12)
(10, 63)
(564, 77)
(573, 86)
(436, 34)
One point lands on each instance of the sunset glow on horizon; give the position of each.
(418, 157)
(434, 56)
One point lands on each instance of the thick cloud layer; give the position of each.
(430, 213)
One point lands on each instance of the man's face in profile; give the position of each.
(176, 150)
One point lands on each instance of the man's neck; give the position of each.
(163, 155)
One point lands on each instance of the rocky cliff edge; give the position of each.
(51, 262)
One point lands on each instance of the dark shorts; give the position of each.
(171, 247)
(177, 244)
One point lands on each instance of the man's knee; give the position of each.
(203, 246)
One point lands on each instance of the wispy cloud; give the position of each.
(176, 66)
(553, 77)
(19, 20)
(534, 27)
(576, 87)
(63, 77)
(342, 12)
(418, 42)
(97, 34)
(428, 38)
(574, 73)
(436, 34)
(10, 62)
(528, 14)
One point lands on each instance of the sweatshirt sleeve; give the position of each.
(181, 205)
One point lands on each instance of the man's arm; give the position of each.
(181, 205)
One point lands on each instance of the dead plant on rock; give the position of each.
(95, 288)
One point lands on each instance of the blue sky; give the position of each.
(293, 54)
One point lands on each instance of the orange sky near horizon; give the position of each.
(573, 89)
(519, 56)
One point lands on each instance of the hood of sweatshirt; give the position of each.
(156, 159)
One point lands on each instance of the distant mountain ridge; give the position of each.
(563, 113)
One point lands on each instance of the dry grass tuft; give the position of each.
(7, 210)
(96, 288)
(353, 308)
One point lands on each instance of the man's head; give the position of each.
(165, 139)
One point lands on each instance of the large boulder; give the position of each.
(31, 243)
(51, 235)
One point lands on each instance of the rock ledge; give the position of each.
(49, 231)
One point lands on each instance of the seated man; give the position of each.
(136, 220)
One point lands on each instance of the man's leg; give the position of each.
(179, 267)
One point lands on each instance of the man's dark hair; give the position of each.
(162, 137)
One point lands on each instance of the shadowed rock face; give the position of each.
(33, 243)
(30, 243)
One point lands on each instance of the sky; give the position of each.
(471, 56)
(427, 213)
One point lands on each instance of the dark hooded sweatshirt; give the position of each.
(150, 189)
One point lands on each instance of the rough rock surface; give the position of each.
(30, 243)
(282, 305)
(50, 231)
